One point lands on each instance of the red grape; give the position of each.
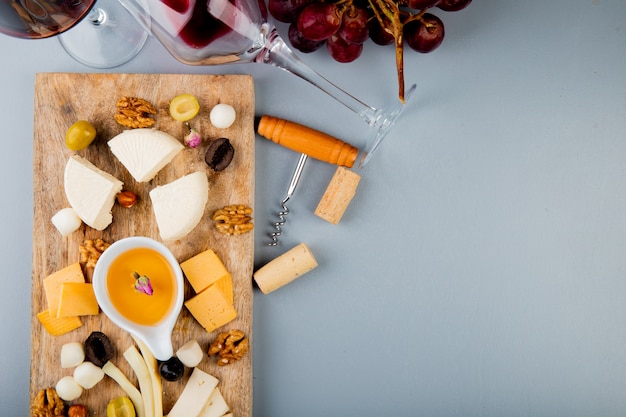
(424, 35)
(301, 43)
(342, 50)
(422, 4)
(354, 25)
(318, 21)
(453, 5)
(287, 11)
(345, 25)
(378, 35)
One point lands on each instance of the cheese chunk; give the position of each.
(195, 395)
(216, 405)
(58, 327)
(90, 191)
(225, 285)
(77, 299)
(144, 152)
(211, 308)
(203, 270)
(53, 282)
(179, 205)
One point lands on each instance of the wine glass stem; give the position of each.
(97, 16)
(278, 54)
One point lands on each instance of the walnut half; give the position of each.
(134, 112)
(47, 403)
(229, 346)
(234, 219)
(91, 250)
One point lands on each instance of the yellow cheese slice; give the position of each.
(203, 270)
(211, 308)
(52, 285)
(77, 299)
(58, 326)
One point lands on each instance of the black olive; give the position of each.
(172, 369)
(219, 154)
(98, 349)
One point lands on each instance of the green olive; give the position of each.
(80, 135)
(120, 407)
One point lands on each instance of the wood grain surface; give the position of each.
(60, 100)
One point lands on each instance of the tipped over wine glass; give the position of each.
(103, 35)
(213, 32)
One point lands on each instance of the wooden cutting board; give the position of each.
(60, 100)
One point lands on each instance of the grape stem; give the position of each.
(388, 14)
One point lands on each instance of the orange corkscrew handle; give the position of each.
(306, 140)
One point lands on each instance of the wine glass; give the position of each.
(212, 32)
(103, 34)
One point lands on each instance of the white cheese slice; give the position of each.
(179, 205)
(144, 152)
(216, 405)
(195, 394)
(90, 191)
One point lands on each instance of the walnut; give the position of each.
(134, 112)
(233, 220)
(229, 346)
(48, 404)
(91, 250)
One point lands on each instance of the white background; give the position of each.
(481, 268)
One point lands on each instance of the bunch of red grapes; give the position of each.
(344, 25)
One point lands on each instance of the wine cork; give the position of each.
(338, 195)
(285, 268)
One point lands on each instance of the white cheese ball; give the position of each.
(68, 389)
(87, 375)
(190, 354)
(66, 221)
(222, 115)
(72, 354)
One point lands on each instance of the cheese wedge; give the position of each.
(144, 152)
(90, 191)
(179, 205)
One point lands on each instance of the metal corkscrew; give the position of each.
(295, 178)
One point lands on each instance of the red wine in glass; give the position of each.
(34, 19)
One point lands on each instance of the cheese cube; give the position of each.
(203, 270)
(57, 327)
(77, 299)
(211, 308)
(52, 285)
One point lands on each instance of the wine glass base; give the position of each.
(108, 37)
(382, 131)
